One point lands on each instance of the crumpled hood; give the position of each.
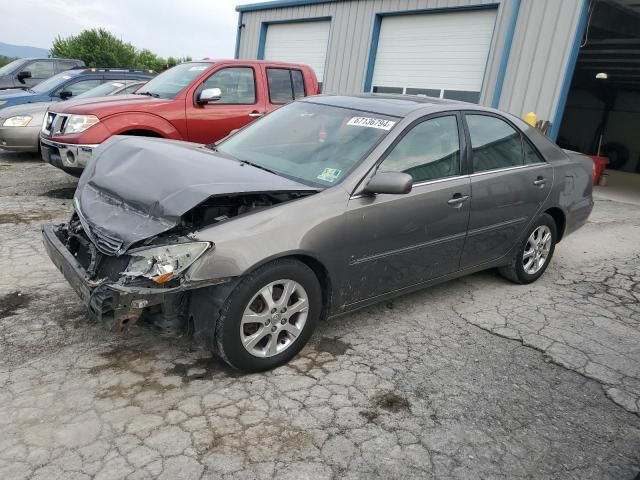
(134, 187)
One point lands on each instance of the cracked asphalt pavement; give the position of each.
(475, 378)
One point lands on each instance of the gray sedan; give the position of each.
(20, 125)
(326, 205)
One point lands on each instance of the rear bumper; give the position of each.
(20, 139)
(66, 156)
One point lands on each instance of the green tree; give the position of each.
(99, 48)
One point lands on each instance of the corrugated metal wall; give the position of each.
(539, 56)
(540, 50)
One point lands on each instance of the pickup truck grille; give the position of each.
(54, 123)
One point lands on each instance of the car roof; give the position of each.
(393, 105)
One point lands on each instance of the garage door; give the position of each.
(304, 42)
(437, 54)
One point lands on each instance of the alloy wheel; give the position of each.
(536, 250)
(274, 318)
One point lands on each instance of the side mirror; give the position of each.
(394, 183)
(64, 94)
(22, 76)
(209, 95)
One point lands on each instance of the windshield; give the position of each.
(314, 144)
(10, 67)
(101, 90)
(168, 84)
(55, 81)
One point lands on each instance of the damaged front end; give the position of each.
(139, 206)
(119, 290)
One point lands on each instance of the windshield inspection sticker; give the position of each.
(371, 123)
(197, 68)
(329, 175)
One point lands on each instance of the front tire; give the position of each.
(534, 253)
(269, 316)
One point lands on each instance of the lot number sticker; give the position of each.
(329, 175)
(371, 123)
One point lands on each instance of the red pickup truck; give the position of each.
(199, 101)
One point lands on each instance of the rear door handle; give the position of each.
(457, 200)
(539, 182)
(255, 114)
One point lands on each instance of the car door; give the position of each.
(509, 183)
(403, 240)
(241, 103)
(40, 70)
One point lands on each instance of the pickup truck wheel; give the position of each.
(534, 253)
(269, 316)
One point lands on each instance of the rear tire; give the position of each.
(269, 316)
(534, 252)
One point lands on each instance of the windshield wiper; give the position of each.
(149, 94)
(259, 166)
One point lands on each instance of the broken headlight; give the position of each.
(161, 264)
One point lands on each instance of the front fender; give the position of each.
(120, 123)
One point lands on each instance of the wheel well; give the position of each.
(559, 218)
(323, 277)
(142, 133)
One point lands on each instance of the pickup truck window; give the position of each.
(10, 67)
(238, 85)
(40, 69)
(169, 83)
(284, 85)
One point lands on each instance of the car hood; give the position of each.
(102, 106)
(25, 109)
(15, 92)
(134, 188)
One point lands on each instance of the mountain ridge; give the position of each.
(21, 51)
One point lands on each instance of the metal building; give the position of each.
(478, 48)
(517, 55)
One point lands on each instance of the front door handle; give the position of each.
(255, 114)
(457, 200)
(539, 182)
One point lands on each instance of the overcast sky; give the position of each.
(199, 28)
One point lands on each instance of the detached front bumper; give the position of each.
(20, 139)
(66, 156)
(113, 304)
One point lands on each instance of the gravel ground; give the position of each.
(424, 387)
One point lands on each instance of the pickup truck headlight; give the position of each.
(161, 264)
(18, 121)
(80, 123)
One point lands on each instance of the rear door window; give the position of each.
(494, 142)
(285, 85)
(66, 65)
